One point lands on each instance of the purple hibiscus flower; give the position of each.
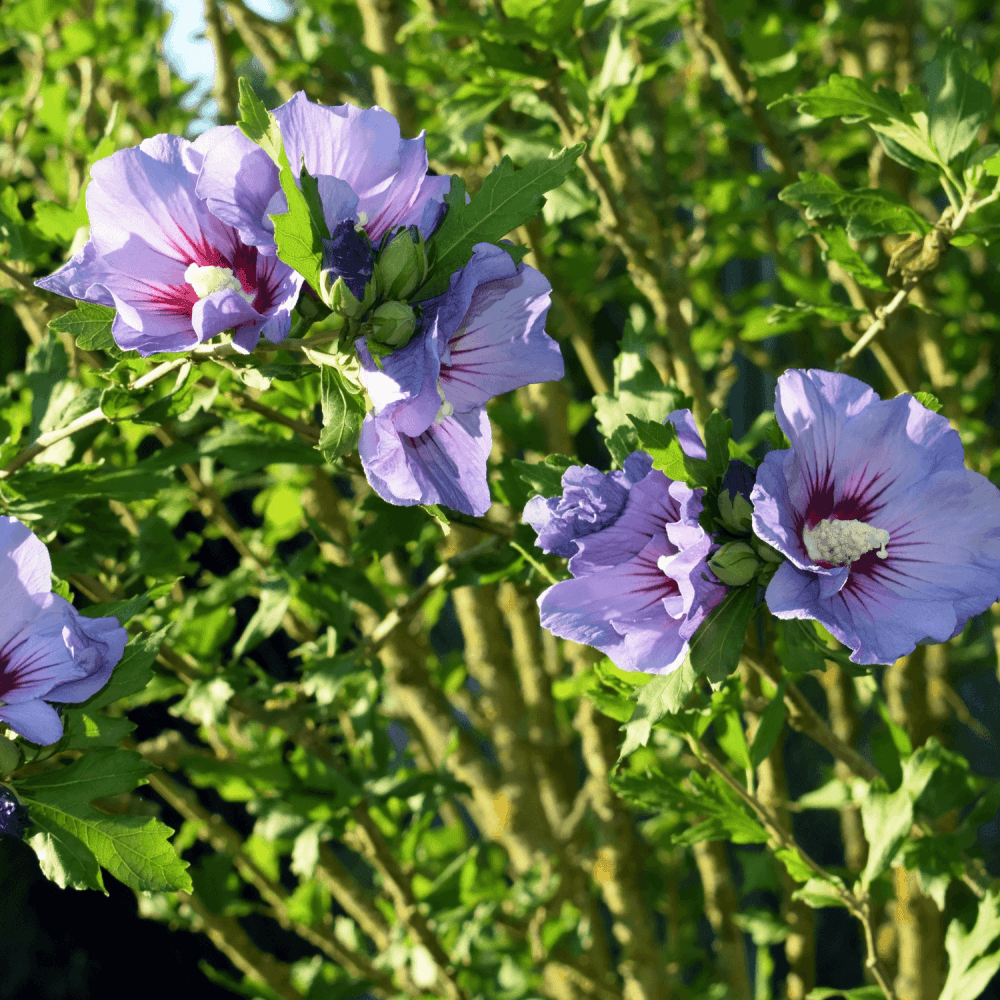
(175, 273)
(641, 583)
(429, 437)
(890, 540)
(48, 652)
(348, 150)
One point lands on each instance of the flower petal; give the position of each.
(620, 611)
(97, 644)
(445, 464)
(81, 277)
(25, 577)
(652, 503)
(238, 180)
(34, 720)
(498, 343)
(146, 220)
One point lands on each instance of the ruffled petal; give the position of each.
(97, 644)
(652, 503)
(238, 180)
(82, 277)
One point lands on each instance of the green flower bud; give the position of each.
(402, 265)
(735, 512)
(392, 324)
(10, 755)
(767, 553)
(338, 297)
(735, 564)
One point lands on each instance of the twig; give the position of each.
(224, 89)
(858, 906)
(229, 937)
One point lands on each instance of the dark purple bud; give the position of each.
(739, 478)
(349, 255)
(13, 815)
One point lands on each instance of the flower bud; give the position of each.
(402, 265)
(338, 296)
(735, 512)
(767, 553)
(735, 564)
(13, 814)
(392, 324)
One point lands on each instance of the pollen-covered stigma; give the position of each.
(840, 542)
(208, 279)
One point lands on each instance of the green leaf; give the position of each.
(851, 99)
(731, 738)
(136, 850)
(63, 857)
(92, 776)
(274, 601)
(718, 430)
(802, 311)
(887, 817)
(769, 727)
(664, 695)
(969, 967)
(929, 400)
(958, 97)
(841, 251)
(300, 231)
(660, 441)
(89, 325)
(716, 646)
(506, 200)
(727, 816)
(868, 213)
(543, 478)
(343, 414)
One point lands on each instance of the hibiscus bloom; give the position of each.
(175, 273)
(890, 540)
(429, 437)
(347, 150)
(48, 652)
(641, 583)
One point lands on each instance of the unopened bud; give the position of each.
(338, 296)
(402, 265)
(392, 324)
(767, 553)
(735, 512)
(735, 564)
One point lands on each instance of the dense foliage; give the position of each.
(398, 724)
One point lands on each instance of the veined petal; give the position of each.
(445, 464)
(146, 220)
(652, 503)
(499, 343)
(238, 180)
(25, 577)
(619, 611)
(96, 645)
